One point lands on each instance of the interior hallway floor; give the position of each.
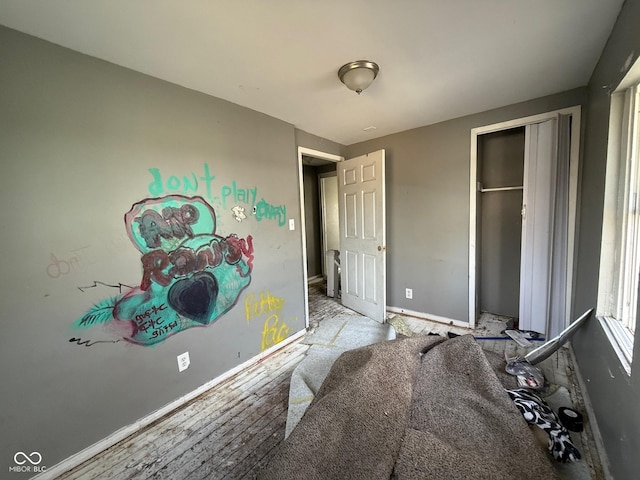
(232, 430)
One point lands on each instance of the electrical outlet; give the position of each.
(183, 361)
(292, 224)
(409, 293)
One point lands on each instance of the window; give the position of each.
(620, 251)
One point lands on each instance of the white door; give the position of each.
(361, 197)
(544, 236)
(549, 218)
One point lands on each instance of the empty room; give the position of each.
(297, 239)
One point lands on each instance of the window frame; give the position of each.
(619, 280)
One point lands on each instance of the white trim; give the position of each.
(322, 178)
(617, 307)
(521, 122)
(610, 217)
(119, 435)
(325, 156)
(309, 152)
(429, 316)
(573, 195)
(620, 339)
(473, 220)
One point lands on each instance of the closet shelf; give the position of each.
(501, 189)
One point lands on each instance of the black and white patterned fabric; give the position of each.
(536, 412)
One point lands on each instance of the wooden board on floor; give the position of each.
(227, 432)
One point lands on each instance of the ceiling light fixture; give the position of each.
(357, 76)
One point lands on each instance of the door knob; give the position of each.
(381, 248)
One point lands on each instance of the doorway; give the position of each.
(312, 166)
(501, 180)
(362, 228)
(539, 244)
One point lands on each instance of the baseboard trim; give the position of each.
(593, 423)
(315, 279)
(428, 316)
(82, 456)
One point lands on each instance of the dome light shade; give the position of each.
(357, 76)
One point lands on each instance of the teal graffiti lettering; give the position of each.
(173, 184)
(264, 210)
(155, 187)
(244, 195)
(186, 184)
(207, 178)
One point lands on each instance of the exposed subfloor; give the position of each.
(232, 430)
(228, 432)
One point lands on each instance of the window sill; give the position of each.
(621, 340)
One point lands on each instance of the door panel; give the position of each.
(543, 305)
(541, 150)
(559, 307)
(350, 272)
(369, 287)
(369, 215)
(350, 215)
(362, 234)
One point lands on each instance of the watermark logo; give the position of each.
(27, 463)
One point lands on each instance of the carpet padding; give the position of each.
(419, 407)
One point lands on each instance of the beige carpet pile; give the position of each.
(414, 408)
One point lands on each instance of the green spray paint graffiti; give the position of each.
(191, 276)
(228, 197)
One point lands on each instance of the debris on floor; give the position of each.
(537, 413)
(545, 350)
(519, 337)
(528, 375)
(561, 389)
(400, 326)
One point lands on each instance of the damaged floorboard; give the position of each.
(229, 431)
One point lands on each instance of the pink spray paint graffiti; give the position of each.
(191, 276)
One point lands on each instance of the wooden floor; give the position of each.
(228, 432)
(232, 430)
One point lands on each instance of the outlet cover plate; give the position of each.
(183, 361)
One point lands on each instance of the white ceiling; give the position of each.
(439, 59)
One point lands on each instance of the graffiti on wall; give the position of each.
(229, 196)
(60, 266)
(274, 330)
(191, 275)
(90, 343)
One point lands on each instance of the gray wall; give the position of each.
(500, 164)
(313, 227)
(78, 138)
(615, 396)
(428, 206)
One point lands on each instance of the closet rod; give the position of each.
(501, 189)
